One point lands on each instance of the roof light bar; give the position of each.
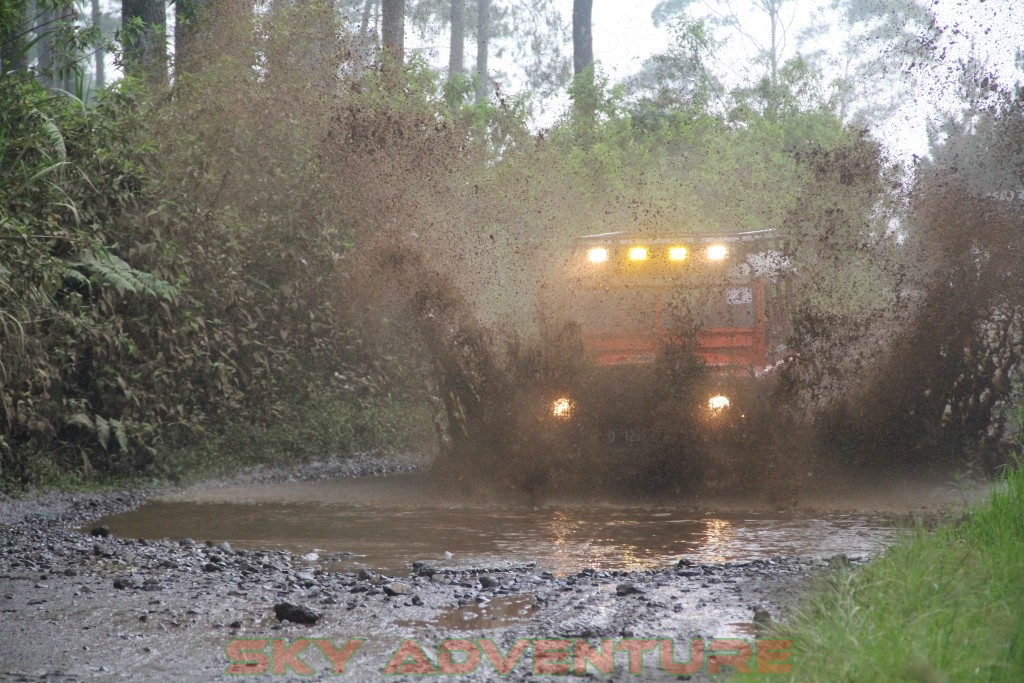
(638, 253)
(677, 253)
(717, 252)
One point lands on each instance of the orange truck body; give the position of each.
(627, 309)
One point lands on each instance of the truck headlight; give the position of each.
(597, 255)
(717, 252)
(562, 408)
(718, 403)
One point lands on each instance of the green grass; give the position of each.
(946, 605)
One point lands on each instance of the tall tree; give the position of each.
(186, 20)
(885, 48)
(483, 40)
(582, 36)
(14, 28)
(767, 36)
(369, 10)
(143, 24)
(99, 77)
(393, 29)
(584, 90)
(54, 26)
(680, 79)
(456, 56)
(531, 35)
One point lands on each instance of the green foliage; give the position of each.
(305, 429)
(174, 268)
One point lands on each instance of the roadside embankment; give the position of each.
(942, 605)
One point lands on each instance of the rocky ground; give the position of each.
(77, 603)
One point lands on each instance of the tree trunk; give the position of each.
(14, 42)
(99, 78)
(186, 18)
(369, 8)
(582, 36)
(584, 94)
(483, 38)
(456, 57)
(52, 70)
(393, 29)
(145, 52)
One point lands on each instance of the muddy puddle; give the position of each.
(485, 614)
(347, 537)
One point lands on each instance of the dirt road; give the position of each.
(76, 606)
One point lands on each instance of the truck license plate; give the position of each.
(626, 438)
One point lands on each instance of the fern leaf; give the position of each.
(75, 276)
(81, 420)
(114, 271)
(55, 136)
(103, 432)
(120, 435)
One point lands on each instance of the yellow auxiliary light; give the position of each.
(638, 253)
(717, 252)
(562, 408)
(597, 255)
(677, 253)
(718, 403)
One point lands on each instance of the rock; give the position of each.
(547, 576)
(840, 561)
(101, 531)
(298, 614)
(424, 568)
(212, 567)
(122, 583)
(365, 575)
(627, 589)
(762, 619)
(686, 562)
(225, 547)
(396, 588)
(235, 624)
(417, 600)
(488, 581)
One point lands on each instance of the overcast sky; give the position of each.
(624, 36)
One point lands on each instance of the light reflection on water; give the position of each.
(561, 540)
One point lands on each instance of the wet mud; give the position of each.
(78, 606)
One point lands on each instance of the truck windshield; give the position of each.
(646, 309)
(616, 310)
(710, 307)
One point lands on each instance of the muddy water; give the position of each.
(560, 540)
